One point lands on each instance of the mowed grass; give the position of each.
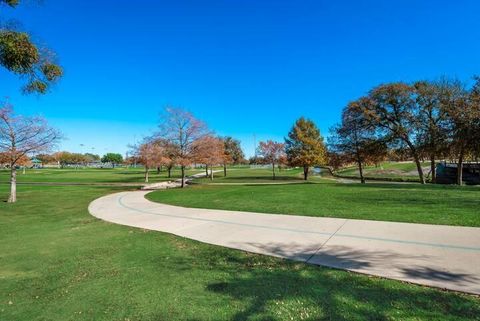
(59, 263)
(397, 170)
(245, 174)
(413, 203)
(90, 175)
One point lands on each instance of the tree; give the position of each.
(170, 152)
(475, 103)
(19, 55)
(150, 154)
(45, 158)
(432, 121)
(304, 146)
(181, 129)
(392, 110)
(22, 136)
(354, 139)
(209, 150)
(272, 152)
(335, 159)
(90, 157)
(233, 153)
(113, 158)
(462, 108)
(66, 158)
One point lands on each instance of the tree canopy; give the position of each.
(22, 57)
(114, 158)
(234, 150)
(354, 140)
(272, 152)
(425, 119)
(181, 130)
(304, 146)
(209, 150)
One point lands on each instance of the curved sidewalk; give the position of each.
(435, 255)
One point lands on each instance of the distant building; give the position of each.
(447, 173)
(36, 163)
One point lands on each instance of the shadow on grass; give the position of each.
(266, 288)
(327, 294)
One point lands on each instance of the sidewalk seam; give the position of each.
(324, 243)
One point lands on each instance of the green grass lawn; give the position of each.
(90, 175)
(59, 263)
(397, 170)
(243, 174)
(432, 204)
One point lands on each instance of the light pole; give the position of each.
(82, 150)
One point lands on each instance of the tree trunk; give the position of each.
(159, 169)
(419, 169)
(211, 173)
(305, 173)
(13, 185)
(460, 168)
(433, 168)
(416, 157)
(170, 172)
(224, 170)
(183, 176)
(360, 170)
(206, 170)
(273, 170)
(146, 174)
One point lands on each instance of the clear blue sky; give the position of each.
(243, 66)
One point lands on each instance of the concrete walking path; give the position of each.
(434, 255)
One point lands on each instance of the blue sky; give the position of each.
(244, 66)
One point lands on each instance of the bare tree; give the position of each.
(21, 136)
(181, 129)
(272, 152)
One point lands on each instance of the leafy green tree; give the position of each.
(392, 110)
(354, 140)
(11, 3)
(304, 146)
(432, 122)
(475, 101)
(22, 57)
(113, 158)
(463, 112)
(233, 153)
